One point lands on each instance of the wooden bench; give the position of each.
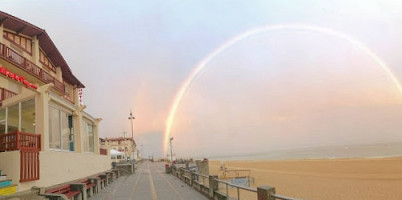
(65, 190)
(89, 186)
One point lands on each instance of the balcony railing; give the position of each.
(18, 140)
(29, 146)
(31, 68)
(5, 94)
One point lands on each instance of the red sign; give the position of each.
(80, 96)
(14, 76)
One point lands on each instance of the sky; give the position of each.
(275, 90)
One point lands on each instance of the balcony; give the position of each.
(29, 146)
(19, 141)
(5, 94)
(26, 65)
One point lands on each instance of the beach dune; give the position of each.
(322, 179)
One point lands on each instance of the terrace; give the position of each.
(29, 146)
(29, 67)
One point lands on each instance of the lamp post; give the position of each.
(124, 145)
(171, 151)
(131, 117)
(132, 129)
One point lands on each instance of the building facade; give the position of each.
(121, 144)
(46, 137)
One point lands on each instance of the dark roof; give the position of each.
(47, 45)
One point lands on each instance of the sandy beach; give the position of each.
(346, 179)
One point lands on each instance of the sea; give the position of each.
(382, 150)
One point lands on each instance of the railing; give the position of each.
(30, 67)
(238, 187)
(29, 145)
(203, 177)
(29, 170)
(102, 151)
(5, 94)
(212, 190)
(19, 140)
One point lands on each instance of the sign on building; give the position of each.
(80, 97)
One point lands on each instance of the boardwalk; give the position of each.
(149, 182)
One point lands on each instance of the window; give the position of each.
(28, 116)
(13, 118)
(88, 137)
(91, 137)
(22, 42)
(2, 120)
(20, 116)
(54, 129)
(61, 134)
(46, 61)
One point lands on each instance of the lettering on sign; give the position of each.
(14, 76)
(80, 97)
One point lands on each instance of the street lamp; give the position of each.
(132, 131)
(171, 151)
(124, 145)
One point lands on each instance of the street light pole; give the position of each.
(124, 144)
(132, 128)
(171, 151)
(132, 131)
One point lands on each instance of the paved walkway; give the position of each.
(148, 182)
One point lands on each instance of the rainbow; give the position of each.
(297, 27)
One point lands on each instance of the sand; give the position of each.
(346, 179)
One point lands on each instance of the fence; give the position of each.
(29, 145)
(210, 188)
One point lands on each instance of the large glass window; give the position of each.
(91, 137)
(13, 118)
(54, 128)
(88, 138)
(20, 116)
(65, 131)
(2, 120)
(28, 116)
(60, 129)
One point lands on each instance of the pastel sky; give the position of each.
(276, 90)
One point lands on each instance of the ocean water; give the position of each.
(345, 151)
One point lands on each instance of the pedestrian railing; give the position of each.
(209, 186)
(236, 188)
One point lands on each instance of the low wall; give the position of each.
(55, 167)
(10, 165)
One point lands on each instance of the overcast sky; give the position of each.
(276, 90)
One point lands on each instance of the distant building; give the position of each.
(121, 144)
(46, 137)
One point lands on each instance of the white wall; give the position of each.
(55, 167)
(10, 165)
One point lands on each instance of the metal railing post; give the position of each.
(213, 185)
(265, 193)
(192, 177)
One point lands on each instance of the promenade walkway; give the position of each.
(148, 183)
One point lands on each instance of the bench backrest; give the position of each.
(60, 190)
(86, 181)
